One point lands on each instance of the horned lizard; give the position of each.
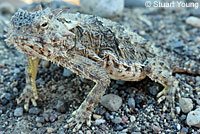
(92, 47)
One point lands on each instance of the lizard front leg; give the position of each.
(30, 90)
(88, 69)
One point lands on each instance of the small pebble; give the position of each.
(193, 21)
(156, 129)
(100, 111)
(107, 116)
(4, 101)
(193, 118)
(132, 118)
(45, 64)
(96, 117)
(178, 127)
(124, 119)
(34, 110)
(131, 103)
(117, 120)
(184, 130)
(53, 117)
(88, 132)
(8, 96)
(118, 127)
(178, 110)
(99, 121)
(18, 112)
(67, 72)
(15, 89)
(40, 119)
(186, 105)
(111, 101)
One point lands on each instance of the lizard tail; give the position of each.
(188, 66)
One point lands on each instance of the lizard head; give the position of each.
(38, 33)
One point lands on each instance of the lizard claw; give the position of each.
(28, 95)
(79, 117)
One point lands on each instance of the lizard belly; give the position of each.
(124, 72)
(120, 74)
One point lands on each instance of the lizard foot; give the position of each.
(79, 117)
(169, 93)
(162, 94)
(28, 95)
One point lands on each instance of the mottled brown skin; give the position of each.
(92, 47)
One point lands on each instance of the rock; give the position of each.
(178, 127)
(67, 72)
(99, 121)
(40, 119)
(103, 8)
(34, 110)
(53, 117)
(178, 110)
(88, 132)
(111, 102)
(156, 129)
(107, 116)
(132, 118)
(186, 105)
(184, 130)
(193, 21)
(18, 112)
(117, 120)
(131, 103)
(124, 119)
(8, 96)
(118, 127)
(45, 64)
(99, 111)
(96, 117)
(7, 8)
(193, 118)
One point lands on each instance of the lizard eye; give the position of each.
(45, 24)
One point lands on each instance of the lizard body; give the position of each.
(92, 47)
